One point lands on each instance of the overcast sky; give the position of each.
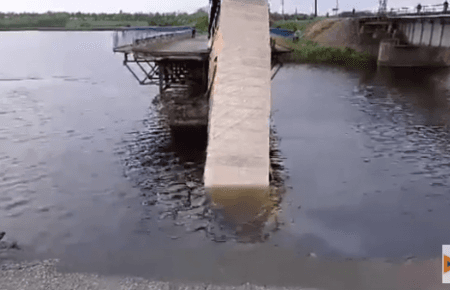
(113, 6)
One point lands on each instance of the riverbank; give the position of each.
(44, 275)
(306, 51)
(296, 24)
(63, 21)
(60, 29)
(375, 275)
(74, 29)
(326, 41)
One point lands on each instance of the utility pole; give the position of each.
(282, 8)
(383, 6)
(315, 13)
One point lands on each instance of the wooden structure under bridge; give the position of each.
(178, 63)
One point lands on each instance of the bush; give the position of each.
(306, 51)
(295, 24)
(85, 25)
(202, 23)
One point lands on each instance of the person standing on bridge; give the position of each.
(419, 7)
(445, 6)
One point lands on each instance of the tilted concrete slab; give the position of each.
(237, 161)
(183, 48)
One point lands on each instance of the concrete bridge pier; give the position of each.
(420, 42)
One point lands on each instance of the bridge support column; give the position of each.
(421, 32)
(409, 29)
(431, 33)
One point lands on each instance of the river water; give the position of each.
(85, 156)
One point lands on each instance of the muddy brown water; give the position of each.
(90, 173)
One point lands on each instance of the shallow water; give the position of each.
(89, 171)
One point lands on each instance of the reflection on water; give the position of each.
(426, 89)
(368, 156)
(167, 165)
(87, 163)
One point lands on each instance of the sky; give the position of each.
(132, 6)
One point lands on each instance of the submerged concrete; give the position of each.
(238, 147)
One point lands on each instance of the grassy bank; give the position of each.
(74, 25)
(295, 25)
(306, 51)
(83, 21)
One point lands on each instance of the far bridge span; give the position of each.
(410, 37)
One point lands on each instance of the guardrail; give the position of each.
(421, 10)
(214, 16)
(137, 35)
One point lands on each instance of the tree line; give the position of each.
(61, 19)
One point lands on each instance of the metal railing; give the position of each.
(420, 10)
(136, 35)
(214, 16)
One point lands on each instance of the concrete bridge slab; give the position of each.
(237, 165)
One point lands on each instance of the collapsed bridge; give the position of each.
(222, 81)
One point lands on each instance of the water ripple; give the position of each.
(409, 138)
(168, 169)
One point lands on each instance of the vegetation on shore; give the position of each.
(295, 25)
(92, 21)
(307, 51)
(303, 50)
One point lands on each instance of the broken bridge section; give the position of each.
(237, 164)
(222, 83)
(175, 60)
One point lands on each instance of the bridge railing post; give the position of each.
(214, 17)
(442, 32)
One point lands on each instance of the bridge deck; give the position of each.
(239, 125)
(190, 48)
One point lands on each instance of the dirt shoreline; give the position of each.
(60, 29)
(43, 275)
(331, 41)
